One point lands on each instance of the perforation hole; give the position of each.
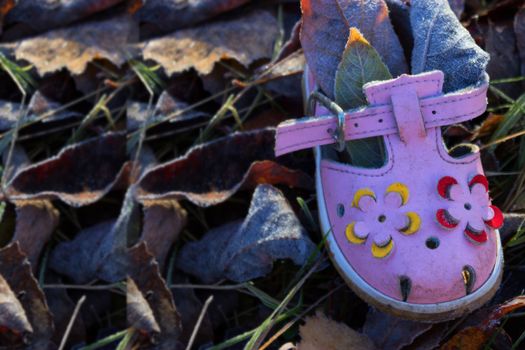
(356, 125)
(380, 120)
(432, 242)
(434, 112)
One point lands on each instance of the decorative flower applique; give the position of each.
(469, 208)
(383, 217)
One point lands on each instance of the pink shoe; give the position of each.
(417, 237)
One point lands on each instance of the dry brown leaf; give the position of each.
(211, 173)
(163, 221)
(139, 314)
(74, 47)
(203, 46)
(145, 272)
(12, 314)
(16, 270)
(78, 175)
(320, 332)
(35, 222)
(474, 338)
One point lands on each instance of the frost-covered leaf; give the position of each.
(79, 175)
(203, 46)
(168, 15)
(245, 250)
(370, 17)
(211, 173)
(323, 37)
(74, 47)
(100, 251)
(500, 43)
(166, 106)
(519, 29)
(390, 332)
(325, 28)
(441, 42)
(45, 14)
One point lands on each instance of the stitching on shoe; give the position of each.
(437, 81)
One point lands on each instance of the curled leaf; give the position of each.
(441, 42)
(168, 15)
(79, 175)
(144, 271)
(16, 270)
(241, 251)
(211, 173)
(201, 47)
(74, 47)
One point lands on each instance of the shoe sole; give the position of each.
(420, 312)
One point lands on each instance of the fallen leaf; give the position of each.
(519, 30)
(241, 251)
(45, 14)
(39, 108)
(325, 28)
(12, 314)
(390, 332)
(36, 220)
(16, 270)
(79, 175)
(441, 42)
(144, 270)
(371, 19)
(474, 338)
(203, 46)
(359, 65)
(323, 38)
(100, 251)
(320, 332)
(211, 173)
(500, 43)
(139, 314)
(189, 308)
(162, 223)
(488, 126)
(169, 15)
(290, 65)
(167, 106)
(75, 46)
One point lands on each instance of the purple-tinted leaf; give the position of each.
(241, 251)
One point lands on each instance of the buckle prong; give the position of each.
(339, 133)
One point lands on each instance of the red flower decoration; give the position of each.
(469, 206)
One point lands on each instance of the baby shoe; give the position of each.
(417, 237)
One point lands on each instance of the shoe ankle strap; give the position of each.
(379, 120)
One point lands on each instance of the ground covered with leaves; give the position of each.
(142, 206)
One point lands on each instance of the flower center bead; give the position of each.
(468, 206)
(381, 218)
